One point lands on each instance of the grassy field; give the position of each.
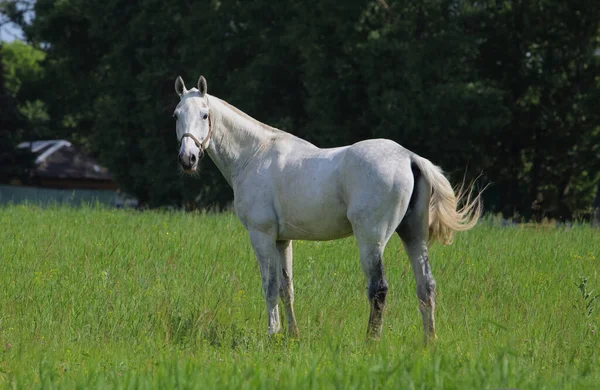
(94, 298)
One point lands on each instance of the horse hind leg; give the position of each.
(286, 288)
(414, 232)
(371, 260)
(418, 255)
(373, 228)
(375, 209)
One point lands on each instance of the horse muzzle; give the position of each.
(189, 161)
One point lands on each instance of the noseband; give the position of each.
(200, 145)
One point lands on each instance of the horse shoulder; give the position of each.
(253, 197)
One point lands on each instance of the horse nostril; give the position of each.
(193, 158)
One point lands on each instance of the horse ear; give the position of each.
(202, 87)
(180, 86)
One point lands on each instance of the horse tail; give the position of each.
(445, 216)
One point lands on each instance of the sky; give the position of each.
(10, 32)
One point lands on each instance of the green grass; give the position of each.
(94, 298)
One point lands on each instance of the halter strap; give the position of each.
(200, 145)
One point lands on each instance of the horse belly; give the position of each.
(312, 215)
(321, 228)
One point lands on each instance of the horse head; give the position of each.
(193, 123)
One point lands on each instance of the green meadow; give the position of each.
(98, 298)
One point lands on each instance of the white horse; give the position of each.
(287, 189)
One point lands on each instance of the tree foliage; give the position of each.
(14, 163)
(503, 89)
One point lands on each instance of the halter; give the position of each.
(200, 145)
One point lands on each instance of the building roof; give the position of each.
(59, 159)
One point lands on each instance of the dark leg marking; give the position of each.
(427, 289)
(376, 292)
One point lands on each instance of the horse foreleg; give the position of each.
(267, 255)
(286, 290)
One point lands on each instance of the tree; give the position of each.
(500, 88)
(23, 73)
(541, 53)
(14, 163)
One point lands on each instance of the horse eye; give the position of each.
(205, 116)
(175, 116)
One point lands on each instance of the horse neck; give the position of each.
(237, 138)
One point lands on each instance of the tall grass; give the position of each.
(98, 298)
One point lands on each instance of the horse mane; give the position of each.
(246, 116)
(276, 131)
